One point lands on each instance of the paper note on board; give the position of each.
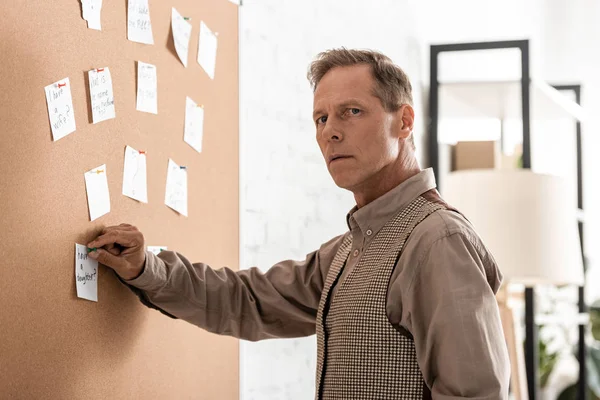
(134, 175)
(156, 249)
(194, 121)
(182, 31)
(207, 50)
(176, 192)
(147, 88)
(86, 274)
(96, 186)
(91, 10)
(139, 27)
(60, 108)
(101, 95)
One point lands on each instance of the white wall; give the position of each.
(289, 203)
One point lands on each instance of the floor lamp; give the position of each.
(528, 221)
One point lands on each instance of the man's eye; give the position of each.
(354, 111)
(321, 120)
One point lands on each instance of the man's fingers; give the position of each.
(126, 238)
(104, 257)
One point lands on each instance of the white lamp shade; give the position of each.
(527, 220)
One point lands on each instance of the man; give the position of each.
(403, 304)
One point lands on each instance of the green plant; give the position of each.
(547, 360)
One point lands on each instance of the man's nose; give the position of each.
(332, 131)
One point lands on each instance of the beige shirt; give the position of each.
(442, 291)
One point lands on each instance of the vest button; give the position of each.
(356, 252)
(369, 232)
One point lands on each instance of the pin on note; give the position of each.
(176, 192)
(60, 108)
(156, 249)
(139, 27)
(134, 175)
(194, 124)
(147, 88)
(91, 10)
(182, 31)
(86, 274)
(101, 95)
(96, 185)
(207, 49)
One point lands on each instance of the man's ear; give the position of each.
(406, 120)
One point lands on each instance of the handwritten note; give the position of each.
(147, 88)
(139, 28)
(207, 50)
(176, 193)
(156, 249)
(98, 197)
(134, 175)
(60, 108)
(86, 274)
(182, 31)
(91, 13)
(194, 121)
(101, 95)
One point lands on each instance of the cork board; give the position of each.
(54, 345)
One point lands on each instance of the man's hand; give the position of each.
(120, 248)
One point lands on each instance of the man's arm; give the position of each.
(246, 304)
(453, 316)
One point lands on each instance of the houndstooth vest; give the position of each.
(360, 354)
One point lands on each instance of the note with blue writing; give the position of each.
(86, 274)
(60, 108)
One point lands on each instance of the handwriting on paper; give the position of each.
(134, 175)
(96, 186)
(147, 88)
(101, 95)
(91, 13)
(60, 108)
(194, 124)
(182, 31)
(139, 27)
(86, 274)
(156, 249)
(176, 192)
(207, 50)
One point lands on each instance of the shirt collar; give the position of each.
(377, 213)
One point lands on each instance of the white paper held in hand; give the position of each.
(139, 27)
(98, 197)
(156, 249)
(182, 31)
(147, 88)
(194, 124)
(86, 274)
(101, 95)
(60, 108)
(134, 175)
(91, 10)
(176, 192)
(207, 49)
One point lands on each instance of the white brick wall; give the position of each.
(289, 203)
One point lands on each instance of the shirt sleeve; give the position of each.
(246, 304)
(453, 315)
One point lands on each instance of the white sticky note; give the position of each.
(139, 28)
(194, 124)
(60, 108)
(91, 13)
(147, 88)
(98, 197)
(101, 95)
(86, 274)
(207, 50)
(182, 31)
(176, 193)
(134, 175)
(156, 249)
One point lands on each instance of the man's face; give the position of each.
(357, 137)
